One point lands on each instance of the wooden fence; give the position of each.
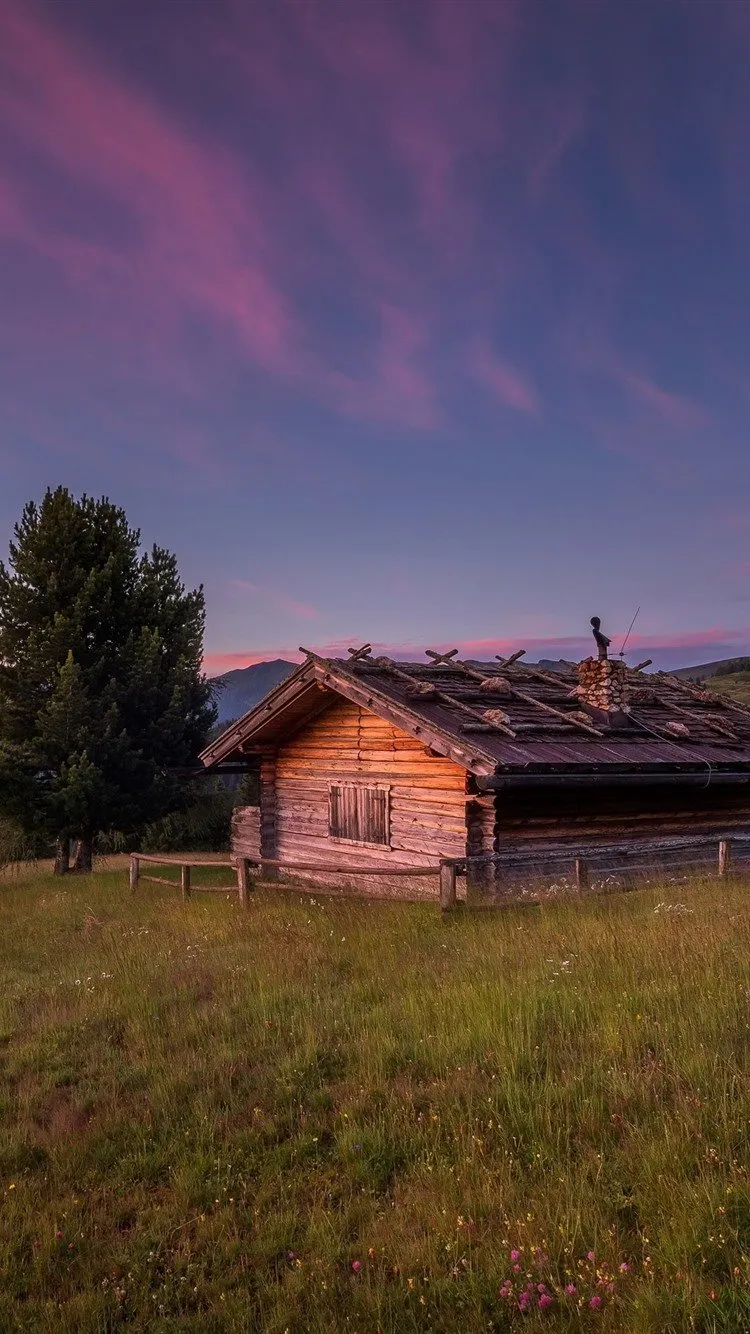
(590, 869)
(243, 866)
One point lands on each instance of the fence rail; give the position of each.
(584, 865)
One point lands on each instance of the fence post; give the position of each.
(725, 856)
(582, 875)
(134, 872)
(243, 879)
(447, 886)
(185, 881)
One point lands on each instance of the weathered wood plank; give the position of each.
(447, 887)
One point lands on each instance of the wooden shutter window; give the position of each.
(359, 814)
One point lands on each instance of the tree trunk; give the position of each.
(62, 856)
(84, 854)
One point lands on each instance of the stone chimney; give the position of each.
(602, 684)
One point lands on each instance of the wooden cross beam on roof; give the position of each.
(537, 673)
(445, 698)
(438, 658)
(356, 653)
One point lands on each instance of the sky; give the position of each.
(405, 321)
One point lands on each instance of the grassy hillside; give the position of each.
(326, 1115)
(736, 685)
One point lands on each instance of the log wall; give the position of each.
(246, 832)
(427, 793)
(530, 819)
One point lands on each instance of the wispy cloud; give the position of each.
(157, 226)
(504, 381)
(290, 606)
(672, 649)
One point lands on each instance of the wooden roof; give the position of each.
(506, 717)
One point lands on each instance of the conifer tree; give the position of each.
(102, 696)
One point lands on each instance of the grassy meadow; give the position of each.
(323, 1114)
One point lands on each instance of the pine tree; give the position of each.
(102, 696)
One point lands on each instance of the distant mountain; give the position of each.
(703, 669)
(553, 664)
(245, 687)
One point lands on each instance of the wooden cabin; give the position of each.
(366, 762)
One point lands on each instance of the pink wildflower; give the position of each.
(591, 1256)
(515, 1256)
(545, 1300)
(58, 1236)
(356, 1265)
(595, 1302)
(541, 1287)
(571, 1289)
(523, 1302)
(624, 1267)
(516, 1269)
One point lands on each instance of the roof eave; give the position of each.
(233, 739)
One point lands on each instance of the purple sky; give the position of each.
(419, 322)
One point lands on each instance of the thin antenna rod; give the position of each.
(627, 637)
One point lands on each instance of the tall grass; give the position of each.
(324, 1114)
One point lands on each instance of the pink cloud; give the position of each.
(674, 409)
(216, 664)
(434, 95)
(671, 646)
(199, 234)
(288, 605)
(594, 354)
(559, 132)
(397, 388)
(507, 384)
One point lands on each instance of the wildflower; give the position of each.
(523, 1302)
(516, 1269)
(624, 1267)
(595, 1302)
(515, 1256)
(58, 1236)
(570, 1288)
(356, 1265)
(591, 1256)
